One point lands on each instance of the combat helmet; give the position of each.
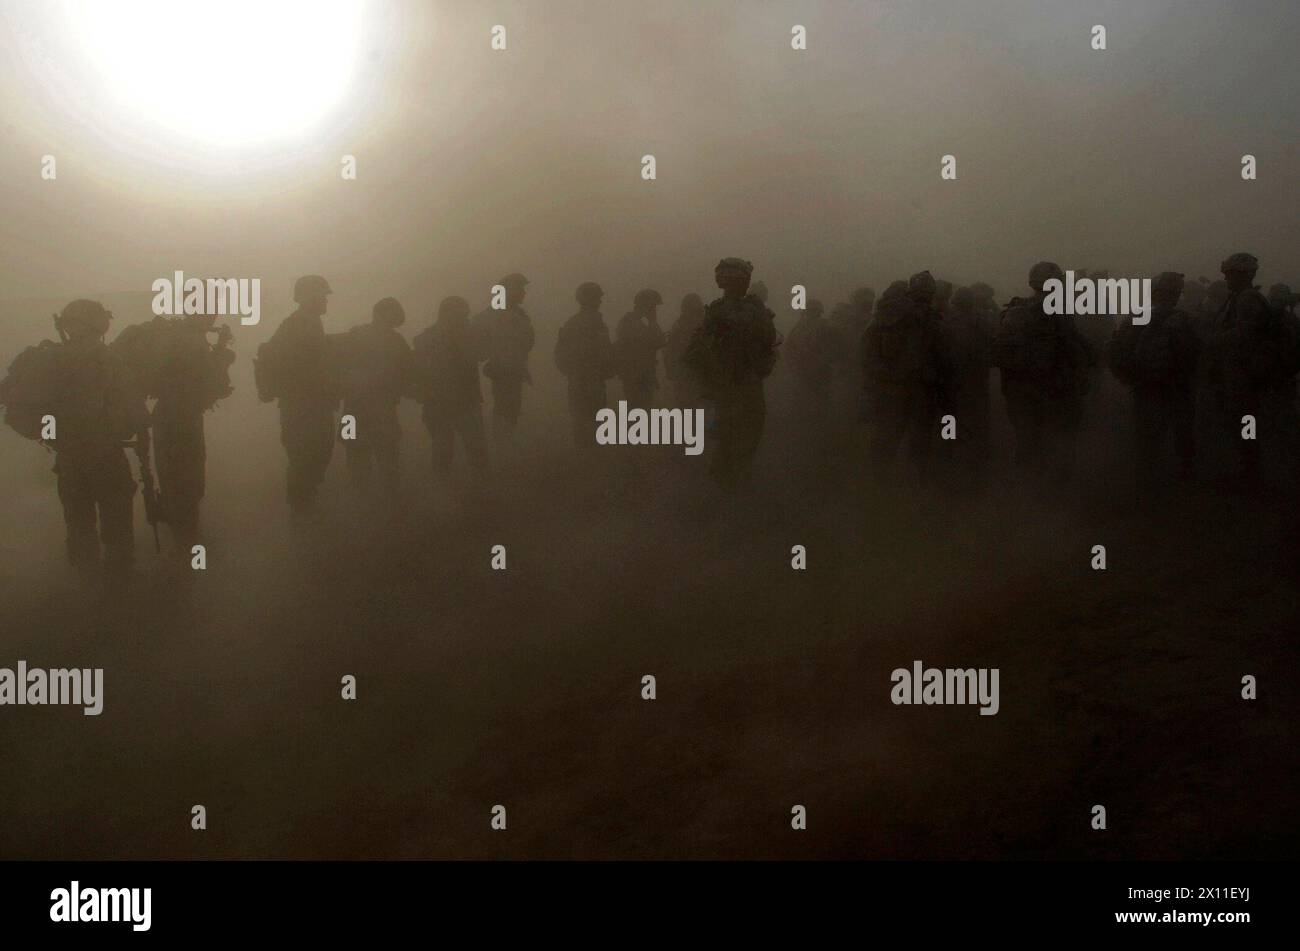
(310, 287)
(589, 294)
(83, 318)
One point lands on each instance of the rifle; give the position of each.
(154, 511)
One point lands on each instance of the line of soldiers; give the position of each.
(371, 368)
(921, 356)
(927, 350)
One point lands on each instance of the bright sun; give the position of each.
(229, 73)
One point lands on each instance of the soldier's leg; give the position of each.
(295, 436)
(752, 419)
(114, 489)
(442, 438)
(324, 434)
(507, 400)
(181, 459)
(473, 435)
(78, 502)
(722, 464)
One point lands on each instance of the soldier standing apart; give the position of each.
(731, 353)
(447, 383)
(584, 354)
(1157, 362)
(507, 338)
(95, 407)
(685, 389)
(906, 366)
(637, 347)
(376, 369)
(295, 367)
(1044, 365)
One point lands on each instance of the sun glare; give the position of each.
(229, 73)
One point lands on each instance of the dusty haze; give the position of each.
(822, 167)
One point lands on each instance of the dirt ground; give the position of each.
(523, 687)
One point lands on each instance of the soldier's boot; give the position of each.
(77, 495)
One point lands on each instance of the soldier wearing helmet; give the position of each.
(95, 407)
(585, 355)
(507, 338)
(174, 363)
(376, 371)
(1157, 362)
(1251, 365)
(1044, 364)
(636, 349)
(906, 367)
(686, 391)
(447, 384)
(731, 353)
(303, 374)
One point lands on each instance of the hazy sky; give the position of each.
(821, 166)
